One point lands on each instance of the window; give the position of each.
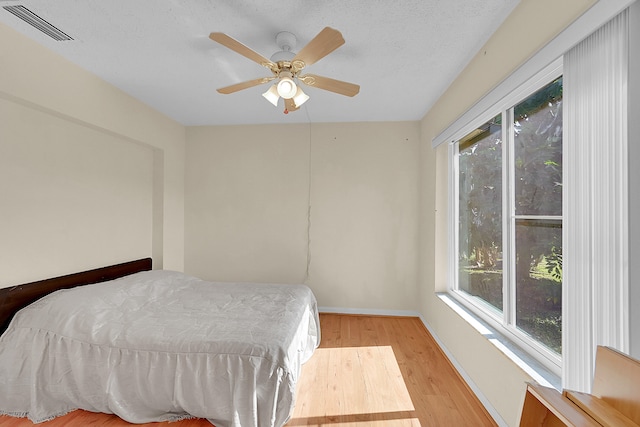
(508, 203)
(597, 298)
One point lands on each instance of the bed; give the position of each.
(155, 345)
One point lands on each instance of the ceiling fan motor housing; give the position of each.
(286, 42)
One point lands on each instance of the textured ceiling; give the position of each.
(403, 54)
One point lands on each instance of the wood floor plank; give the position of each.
(370, 371)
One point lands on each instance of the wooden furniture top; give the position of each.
(545, 406)
(614, 401)
(616, 381)
(598, 409)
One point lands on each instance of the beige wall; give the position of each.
(529, 28)
(248, 193)
(246, 199)
(68, 192)
(88, 175)
(364, 226)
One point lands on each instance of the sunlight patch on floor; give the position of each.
(373, 392)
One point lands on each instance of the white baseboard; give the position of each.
(368, 311)
(408, 313)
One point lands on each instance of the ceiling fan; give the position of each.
(287, 66)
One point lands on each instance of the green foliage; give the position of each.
(554, 263)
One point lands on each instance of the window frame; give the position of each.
(503, 322)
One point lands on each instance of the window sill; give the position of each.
(536, 370)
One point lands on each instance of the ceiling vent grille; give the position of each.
(37, 22)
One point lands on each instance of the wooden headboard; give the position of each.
(17, 297)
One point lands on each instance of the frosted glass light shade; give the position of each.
(300, 97)
(287, 88)
(272, 95)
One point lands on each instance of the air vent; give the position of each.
(36, 22)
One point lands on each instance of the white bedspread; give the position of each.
(158, 346)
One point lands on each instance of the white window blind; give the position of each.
(596, 268)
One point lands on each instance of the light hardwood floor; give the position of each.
(368, 371)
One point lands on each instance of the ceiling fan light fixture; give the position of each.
(272, 95)
(286, 67)
(300, 97)
(287, 88)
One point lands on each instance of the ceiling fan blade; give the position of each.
(244, 85)
(320, 46)
(243, 50)
(336, 86)
(290, 105)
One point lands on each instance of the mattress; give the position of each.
(161, 346)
